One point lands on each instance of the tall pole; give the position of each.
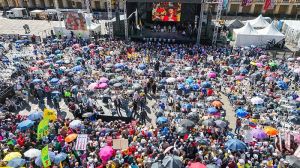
(200, 23)
(58, 13)
(125, 21)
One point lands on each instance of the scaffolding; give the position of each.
(110, 23)
(218, 17)
(203, 3)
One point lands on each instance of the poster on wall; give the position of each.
(75, 21)
(166, 11)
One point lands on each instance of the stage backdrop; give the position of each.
(166, 11)
(74, 21)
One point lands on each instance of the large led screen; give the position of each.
(166, 11)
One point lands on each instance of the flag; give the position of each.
(225, 4)
(43, 128)
(269, 4)
(45, 157)
(246, 2)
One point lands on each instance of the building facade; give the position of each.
(282, 7)
(97, 5)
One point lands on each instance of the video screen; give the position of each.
(74, 21)
(166, 11)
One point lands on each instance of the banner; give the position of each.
(269, 4)
(45, 157)
(120, 144)
(50, 114)
(246, 2)
(287, 138)
(74, 21)
(43, 129)
(81, 142)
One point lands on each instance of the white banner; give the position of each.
(81, 142)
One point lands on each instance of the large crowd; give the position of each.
(175, 96)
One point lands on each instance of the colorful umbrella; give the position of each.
(32, 153)
(106, 153)
(35, 116)
(103, 80)
(241, 112)
(258, 133)
(60, 157)
(75, 124)
(71, 138)
(212, 110)
(271, 131)
(217, 103)
(161, 120)
(257, 100)
(16, 162)
(212, 75)
(101, 86)
(235, 145)
(11, 156)
(197, 165)
(24, 125)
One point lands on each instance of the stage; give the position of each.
(166, 21)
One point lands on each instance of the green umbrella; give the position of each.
(272, 64)
(10, 142)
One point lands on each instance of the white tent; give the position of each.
(259, 22)
(233, 24)
(245, 36)
(270, 33)
(291, 30)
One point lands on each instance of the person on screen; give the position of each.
(171, 16)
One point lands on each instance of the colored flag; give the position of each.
(269, 4)
(50, 114)
(43, 128)
(246, 2)
(45, 157)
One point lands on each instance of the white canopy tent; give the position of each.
(245, 36)
(291, 29)
(270, 33)
(259, 22)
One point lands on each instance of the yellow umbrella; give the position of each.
(11, 156)
(253, 63)
(71, 137)
(271, 131)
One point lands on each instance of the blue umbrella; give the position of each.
(77, 68)
(35, 116)
(206, 84)
(196, 87)
(181, 86)
(20, 41)
(282, 85)
(48, 60)
(235, 145)
(161, 120)
(241, 113)
(51, 56)
(60, 157)
(188, 106)
(54, 80)
(59, 62)
(16, 162)
(24, 125)
(212, 110)
(189, 80)
(57, 52)
(85, 48)
(244, 71)
(119, 66)
(36, 81)
(163, 81)
(55, 92)
(38, 160)
(142, 66)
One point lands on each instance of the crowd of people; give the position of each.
(175, 96)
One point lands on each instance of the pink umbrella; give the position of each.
(101, 86)
(180, 78)
(298, 59)
(239, 77)
(34, 68)
(103, 80)
(269, 78)
(92, 86)
(106, 153)
(40, 62)
(298, 100)
(263, 57)
(91, 45)
(297, 138)
(212, 75)
(259, 64)
(75, 46)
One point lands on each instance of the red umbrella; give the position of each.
(197, 165)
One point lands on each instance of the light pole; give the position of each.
(125, 21)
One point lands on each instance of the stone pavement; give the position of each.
(230, 113)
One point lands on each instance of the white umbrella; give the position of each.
(297, 70)
(32, 153)
(75, 124)
(257, 100)
(171, 80)
(188, 68)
